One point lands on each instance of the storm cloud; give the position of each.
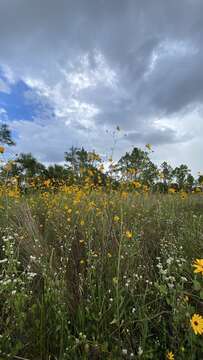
(93, 65)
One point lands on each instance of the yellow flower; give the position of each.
(171, 191)
(183, 195)
(47, 183)
(82, 262)
(82, 222)
(198, 264)
(116, 218)
(115, 280)
(197, 324)
(170, 355)
(129, 234)
(109, 255)
(2, 149)
(137, 184)
(148, 146)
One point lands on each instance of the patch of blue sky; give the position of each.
(15, 103)
(22, 102)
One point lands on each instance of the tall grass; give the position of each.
(91, 275)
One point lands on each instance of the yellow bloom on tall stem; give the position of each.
(129, 234)
(198, 264)
(197, 324)
(116, 218)
(170, 355)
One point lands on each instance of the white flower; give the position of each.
(140, 351)
(124, 351)
(32, 258)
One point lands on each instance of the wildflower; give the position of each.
(124, 351)
(170, 355)
(129, 234)
(82, 262)
(148, 146)
(137, 184)
(47, 183)
(198, 264)
(32, 258)
(116, 218)
(82, 222)
(171, 190)
(197, 324)
(115, 280)
(140, 351)
(2, 149)
(109, 255)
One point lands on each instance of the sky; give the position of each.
(71, 71)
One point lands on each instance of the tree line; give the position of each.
(134, 169)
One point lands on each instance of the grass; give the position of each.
(97, 275)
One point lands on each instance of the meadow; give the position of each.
(88, 273)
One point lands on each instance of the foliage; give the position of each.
(5, 135)
(87, 274)
(97, 264)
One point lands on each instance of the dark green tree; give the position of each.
(137, 166)
(190, 182)
(166, 175)
(5, 135)
(181, 173)
(57, 172)
(29, 167)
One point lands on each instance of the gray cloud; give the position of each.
(106, 63)
(157, 137)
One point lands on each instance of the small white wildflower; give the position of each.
(140, 351)
(124, 351)
(32, 258)
(32, 274)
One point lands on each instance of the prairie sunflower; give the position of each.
(197, 324)
(129, 234)
(170, 355)
(198, 264)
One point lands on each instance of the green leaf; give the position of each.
(197, 285)
(201, 294)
